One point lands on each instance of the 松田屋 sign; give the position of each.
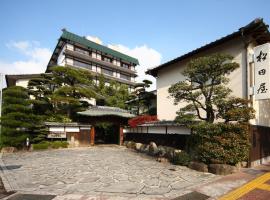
(262, 71)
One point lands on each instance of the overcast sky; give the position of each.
(154, 31)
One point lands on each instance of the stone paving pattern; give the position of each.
(107, 172)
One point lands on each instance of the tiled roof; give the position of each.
(12, 78)
(85, 42)
(257, 29)
(98, 111)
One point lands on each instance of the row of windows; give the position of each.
(107, 83)
(93, 67)
(107, 72)
(104, 58)
(82, 64)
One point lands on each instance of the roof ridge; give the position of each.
(135, 60)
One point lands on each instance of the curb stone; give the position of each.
(9, 185)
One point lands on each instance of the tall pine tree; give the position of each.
(18, 121)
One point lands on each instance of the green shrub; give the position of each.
(58, 144)
(54, 145)
(181, 158)
(40, 146)
(222, 143)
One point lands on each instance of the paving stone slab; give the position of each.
(114, 171)
(31, 197)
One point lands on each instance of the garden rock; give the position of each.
(198, 166)
(144, 148)
(169, 153)
(222, 169)
(8, 149)
(162, 160)
(153, 149)
(138, 146)
(161, 151)
(131, 145)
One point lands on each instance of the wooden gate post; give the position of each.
(92, 136)
(121, 135)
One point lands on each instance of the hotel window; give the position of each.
(107, 72)
(70, 47)
(126, 77)
(98, 56)
(79, 50)
(118, 63)
(94, 67)
(94, 55)
(107, 59)
(82, 64)
(125, 65)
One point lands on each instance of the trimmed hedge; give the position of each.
(41, 146)
(47, 145)
(220, 143)
(181, 158)
(59, 144)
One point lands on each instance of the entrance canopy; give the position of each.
(97, 111)
(98, 114)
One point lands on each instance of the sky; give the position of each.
(154, 31)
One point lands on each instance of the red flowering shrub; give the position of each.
(134, 122)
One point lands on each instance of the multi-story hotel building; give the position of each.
(76, 51)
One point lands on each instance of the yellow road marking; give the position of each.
(256, 183)
(264, 187)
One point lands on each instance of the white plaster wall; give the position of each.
(178, 130)
(169, 75)
(159, 130)
(61, 57)
(72, 129)
(57, 129)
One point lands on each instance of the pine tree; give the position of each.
(18, 121)
(205, 93)
(62, 93)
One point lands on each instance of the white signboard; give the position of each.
(262, 71)
(57, 135)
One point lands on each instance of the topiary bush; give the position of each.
(219, 143)
(58, 144)
(41, 146)
(47, 145)
(181, 158)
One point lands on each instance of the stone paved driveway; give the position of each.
(99, 173)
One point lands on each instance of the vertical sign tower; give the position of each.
(262, 71)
